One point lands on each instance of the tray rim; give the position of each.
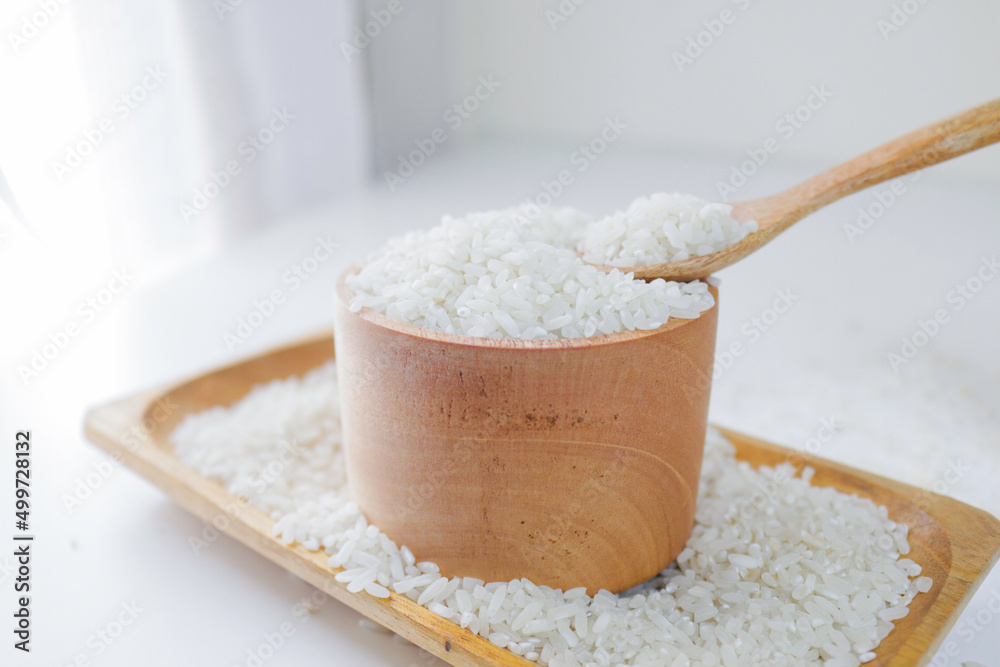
(106, 424)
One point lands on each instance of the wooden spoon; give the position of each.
(929, 145)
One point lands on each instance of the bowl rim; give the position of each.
(343, 295)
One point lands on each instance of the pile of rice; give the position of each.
(514, 274)
(662, 228)
(801, 575)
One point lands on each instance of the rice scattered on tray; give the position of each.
(777, 571)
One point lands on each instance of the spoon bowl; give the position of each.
(944, 140)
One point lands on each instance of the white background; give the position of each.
(686, 130)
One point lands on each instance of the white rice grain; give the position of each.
(662, 228)
(802, 576)
(508, 274)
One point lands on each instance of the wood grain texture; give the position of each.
(500, 458)
(955, 543)
(944, 140)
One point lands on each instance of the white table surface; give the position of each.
(825, 358)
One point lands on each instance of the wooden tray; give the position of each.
(956, 544)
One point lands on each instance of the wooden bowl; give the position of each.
(571, 462)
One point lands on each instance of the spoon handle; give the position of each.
(948, 138)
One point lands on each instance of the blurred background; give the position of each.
(168, 164)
